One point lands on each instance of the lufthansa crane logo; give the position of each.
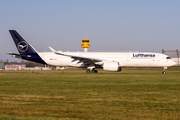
(22, 46)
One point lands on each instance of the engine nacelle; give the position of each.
(111, 66)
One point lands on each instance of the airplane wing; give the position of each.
(85, 60)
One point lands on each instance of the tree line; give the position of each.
(28, 63)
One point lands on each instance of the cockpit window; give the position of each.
(168, 57)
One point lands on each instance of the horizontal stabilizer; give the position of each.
(18, 55)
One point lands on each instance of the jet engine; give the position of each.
(111, 66)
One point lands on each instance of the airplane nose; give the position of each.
(173, 63)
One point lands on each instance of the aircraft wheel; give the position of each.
(88, 71)
(91, 71)
(94, 71)
(163, 72)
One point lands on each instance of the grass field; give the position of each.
(141, 93)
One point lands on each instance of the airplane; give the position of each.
(109, 61)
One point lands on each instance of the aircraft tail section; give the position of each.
(22, 45)
(25, 49)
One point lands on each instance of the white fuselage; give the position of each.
(109, 61)
(125, 59)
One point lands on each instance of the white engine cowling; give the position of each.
(111, 66)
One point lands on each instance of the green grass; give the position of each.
(141, 93)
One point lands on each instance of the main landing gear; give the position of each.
(92, 71)
(164, 70)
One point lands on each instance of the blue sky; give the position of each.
(120, 25)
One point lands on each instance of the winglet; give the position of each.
(54, 51)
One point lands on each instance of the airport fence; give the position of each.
(174, 54)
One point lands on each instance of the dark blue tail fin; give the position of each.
(25, 49)
(22, 45)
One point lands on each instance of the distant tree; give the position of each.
(23, 62)
(38, 65)
(29, 64)
(14, 62)
(6, 61)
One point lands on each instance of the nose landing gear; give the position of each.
(164, 70)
